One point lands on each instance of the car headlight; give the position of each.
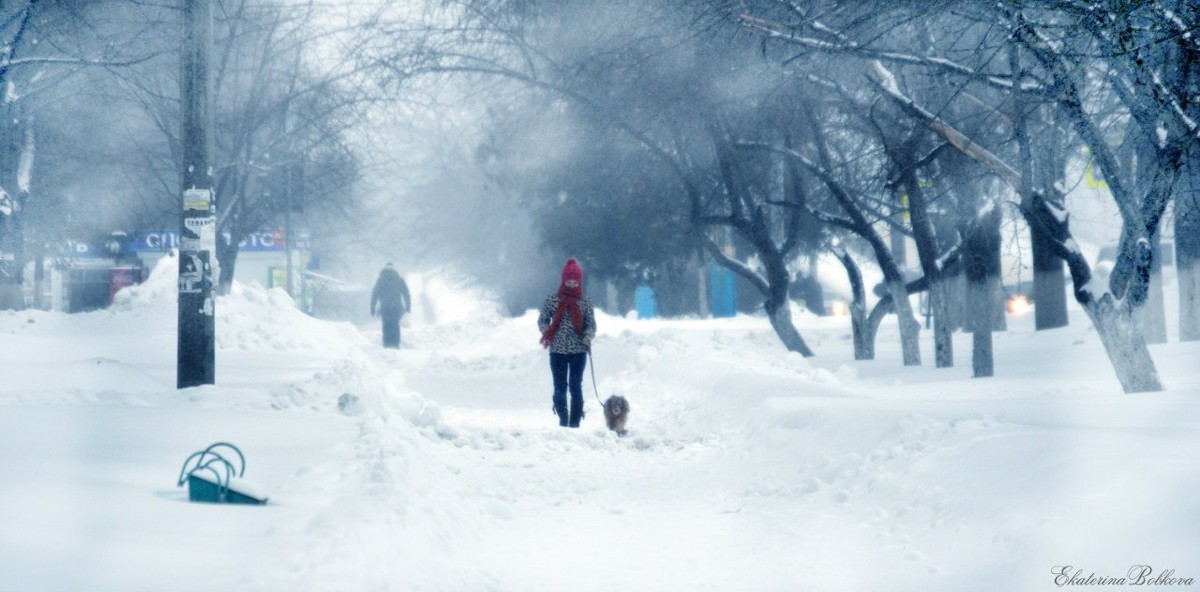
(1018, 304)
(839, 308)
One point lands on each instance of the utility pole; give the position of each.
(196, 361)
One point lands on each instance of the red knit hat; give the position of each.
(572, 271)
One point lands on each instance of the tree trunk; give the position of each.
(982, 358)
(1152, 314)
(980, 240)
(774, 286)
(611, 304)
(1112, 317)
(12, 260)
(227, 253)
(910, 328)
(939, 305)
(995, 270)
(1124, 343)
(751, 221)
(1189, 299)
(1187, 257)
(899, 248)
(1049, 283)
(39, 281)
(858, 223)
(927, 252)
(781, 321)
(1049, 277)
(956, 287)
(895, 301)
(946, 235)
(15, 140)
(864, 338)
(777, 304)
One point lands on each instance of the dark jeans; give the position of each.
(391, 328)
(567, 370)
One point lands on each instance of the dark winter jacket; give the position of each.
(567, 341)
(390, 293)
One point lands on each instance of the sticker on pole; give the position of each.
(197, 199)
(200, 226)
(192, 266)
(203, 230)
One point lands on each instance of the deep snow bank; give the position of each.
(747, 467)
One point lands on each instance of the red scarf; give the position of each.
(568, 300)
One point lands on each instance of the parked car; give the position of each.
(836, 305)
(1106, 258)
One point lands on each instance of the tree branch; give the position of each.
(886, 82)
(844, 45)
(734, 265)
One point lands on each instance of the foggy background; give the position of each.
(488, 140)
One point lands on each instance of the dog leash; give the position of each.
(592, 365)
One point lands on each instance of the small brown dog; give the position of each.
(616, 411)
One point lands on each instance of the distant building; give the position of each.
(87, 277)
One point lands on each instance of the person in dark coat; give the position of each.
(391, 298)
(568, 324)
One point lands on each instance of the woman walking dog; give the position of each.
(568, 324)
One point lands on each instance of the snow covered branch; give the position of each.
(886, 81)
(844, 45)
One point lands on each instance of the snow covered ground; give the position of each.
(746, 467)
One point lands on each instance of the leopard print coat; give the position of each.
(567, 341)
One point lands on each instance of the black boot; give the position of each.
(576, 413)
(561, 410)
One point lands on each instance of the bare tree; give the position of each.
(284, 108)
(42, 43)
(1111, 316)
(1161, 115)
(633, 80)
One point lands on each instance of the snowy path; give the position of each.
(747, 468)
